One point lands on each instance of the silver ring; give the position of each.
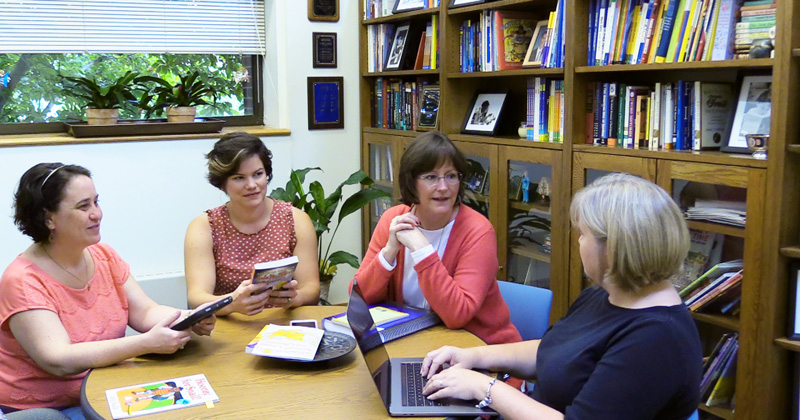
(290, 300)
(441, 383)
(182, 346)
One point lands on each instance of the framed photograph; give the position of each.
(408, 5)
(516, 175)
(429, 107)
(482, 117)
(753, 112)
(323, 10)
(533, 58)
(794, 303)
(324, 47)
(325, 103)
(398, 52)
(460, 3)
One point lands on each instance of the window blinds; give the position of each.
(132, 26)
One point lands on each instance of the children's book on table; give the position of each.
(286, 342)
(155, 397)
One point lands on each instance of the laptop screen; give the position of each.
(377, 358)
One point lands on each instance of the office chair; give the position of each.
(694, 416)
(529, 307)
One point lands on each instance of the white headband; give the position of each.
(51, 174)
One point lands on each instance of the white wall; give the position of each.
(337, 152)
(149, 191)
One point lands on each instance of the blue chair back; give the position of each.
(529, 307)
(695, 416)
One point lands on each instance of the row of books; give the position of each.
(545, 110)
(396, 103)
(659, 31)
(718, 385)
(382, 165)
(404, 46)
(508, 40)
(681, 116)
(758, 23)
(380, 8)
(718, 290)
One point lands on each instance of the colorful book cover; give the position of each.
(155, 397)
(725, 25)
(286, 342)
(514, 31)
(275, 273)
(667, 27)
(726, 384)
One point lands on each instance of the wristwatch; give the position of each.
(488, 400)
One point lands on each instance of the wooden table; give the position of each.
(253, 387)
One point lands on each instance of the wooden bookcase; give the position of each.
(770, 240)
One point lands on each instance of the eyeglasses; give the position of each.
(432, 179)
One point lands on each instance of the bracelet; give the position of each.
(488, 400)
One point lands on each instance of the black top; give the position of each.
(605, 362)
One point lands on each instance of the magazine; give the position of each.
(275, 273)
(286, 342)
(160, 396)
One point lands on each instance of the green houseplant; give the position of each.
(102, 101)
(180, 100)
(321, 208)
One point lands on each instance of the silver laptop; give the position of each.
(398, 380)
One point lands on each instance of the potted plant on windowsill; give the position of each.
(321, 209)
(103, 102)
(179, 100)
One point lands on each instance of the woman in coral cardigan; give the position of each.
(432, 251)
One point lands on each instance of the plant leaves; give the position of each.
(342, 257)
(359, 200)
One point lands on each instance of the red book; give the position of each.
(513, 33)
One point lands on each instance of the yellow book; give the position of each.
(434, 42)
(632, 35)
(690, 27)
(676, 30)
(711, 32)
(651, 57)
(647, 138)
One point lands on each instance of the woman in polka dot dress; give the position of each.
(224, 243)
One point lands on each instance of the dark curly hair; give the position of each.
(41, 190)
(424, 154)
(230, 151)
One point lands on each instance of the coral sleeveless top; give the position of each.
(235, 252)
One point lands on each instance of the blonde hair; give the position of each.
(644, 230)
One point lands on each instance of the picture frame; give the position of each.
(323, 10)
(483, 115)
(516, 173)
(325, 50)
(533, 57)
(325, 103)
(793, 316)
(408, 5)
(753, 111)
(399, 51)
(428, 108)
(461, 3)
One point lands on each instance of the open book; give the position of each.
(286, 342)
(275, 273)
(160, 396)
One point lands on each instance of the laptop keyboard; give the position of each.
(412, 387)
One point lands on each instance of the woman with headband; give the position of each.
(66, 301)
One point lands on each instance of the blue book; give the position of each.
(394, 320)
(592, 31)
(680, 122)
(666, 30)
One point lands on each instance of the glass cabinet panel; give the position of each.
(529, 223)
(477, 184)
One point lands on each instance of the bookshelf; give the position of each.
(769, 243)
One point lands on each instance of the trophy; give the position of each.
(758, 143)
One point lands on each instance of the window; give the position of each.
(43, 39)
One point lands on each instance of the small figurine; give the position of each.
(241, 75)
(544, 189)
(526, 183)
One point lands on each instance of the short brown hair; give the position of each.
(424, 154)
(644, 230)
(40, 190)
(230, 151)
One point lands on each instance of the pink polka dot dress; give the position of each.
(235, 252)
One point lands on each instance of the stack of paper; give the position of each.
(725, 212)
(286, 342)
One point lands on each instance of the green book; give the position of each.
(710, 275)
